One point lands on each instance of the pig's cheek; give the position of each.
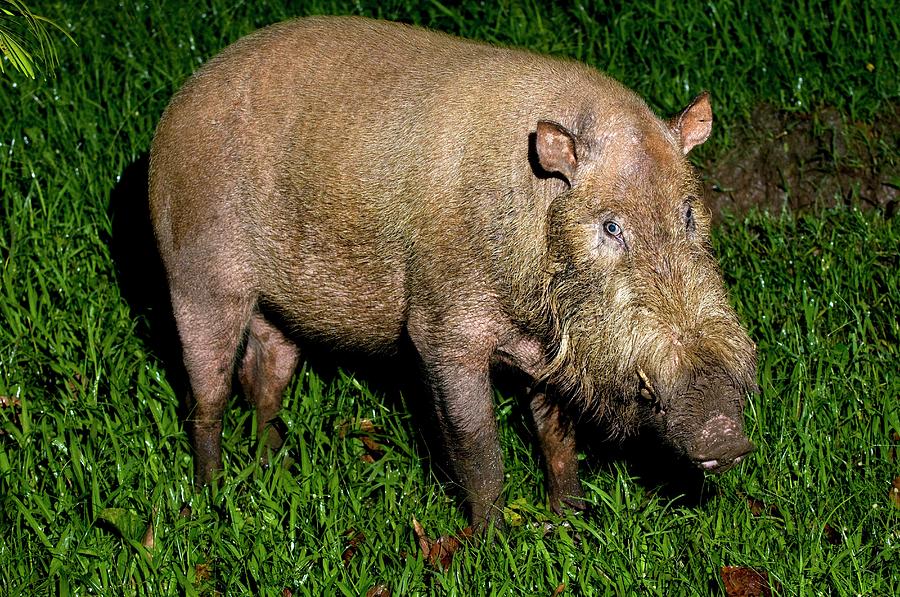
(621, 297)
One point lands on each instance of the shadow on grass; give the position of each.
(646, 457)
(654, 466)
(139, 270)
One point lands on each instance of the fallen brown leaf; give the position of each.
(374, 450)
(75, 385)
(759, 507)
(356, 539)
(286, 592)
(831, 535)
(353, 428)
(559, 590)
(439, 552)
(363, 431)
(202, 572)
(148, 541)
(10, 402)
(741, 581)
(895, 492)
(378, 591)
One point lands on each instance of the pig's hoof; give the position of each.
(565, 507)
(492, 525)
(561, 506)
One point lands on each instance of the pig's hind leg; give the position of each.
(269, 361)
(211, 324)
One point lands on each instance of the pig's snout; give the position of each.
(721, 445)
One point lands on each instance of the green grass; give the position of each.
(90, 427)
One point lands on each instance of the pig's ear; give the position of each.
(555, 149)
(693, 126)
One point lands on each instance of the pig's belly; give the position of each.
(351, 308)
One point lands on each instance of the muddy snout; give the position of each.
(721, 445)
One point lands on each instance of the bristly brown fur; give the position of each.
(353, 182)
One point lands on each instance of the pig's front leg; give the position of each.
(466, 415)
(557, 438)
(457, 368)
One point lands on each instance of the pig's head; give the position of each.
(643, 331)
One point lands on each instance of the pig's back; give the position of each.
(346, 167)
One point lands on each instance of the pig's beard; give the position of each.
(589, 362)
(602, 333)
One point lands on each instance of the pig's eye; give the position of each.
(612, 228)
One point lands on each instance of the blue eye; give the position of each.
(612, 228)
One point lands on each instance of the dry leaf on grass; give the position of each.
(741, 581)
(894, 494)
(202, 572)
(559, 590)
(378, 591)
(439, 552)
(149, 541)
(759, 507)
(831, 535)
(14, 403)
(364, 431)
(356, 539)
(10, 402)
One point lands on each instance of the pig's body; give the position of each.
(350, 181)
(350, 159)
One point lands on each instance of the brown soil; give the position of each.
(802, 161)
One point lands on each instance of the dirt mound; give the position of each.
(802, 161)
